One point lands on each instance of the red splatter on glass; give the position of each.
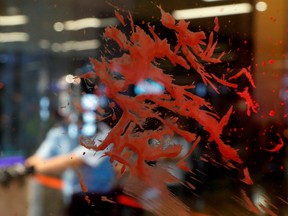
(251, 104)
(130, 139)
(247, 179)
(82, 183)
(272, 113)
(84, 187)
(278, 146)
(120, 18)
(273, 19)
(249, 204)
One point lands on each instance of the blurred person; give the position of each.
(86, 174)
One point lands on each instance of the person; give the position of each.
(87, 175)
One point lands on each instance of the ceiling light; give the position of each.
(56, 47)
(13, 20)
(261, 6)
(75, 25)
(75, 45)
(80, 45)
(222, 10)
(58, 26)
(14, 37)
(72, 79)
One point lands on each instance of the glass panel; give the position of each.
(192, 95)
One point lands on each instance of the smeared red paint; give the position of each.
(246, 72)
(247, 179)
(128, 201)
(224, 82)
(140, 52)
(216, 27)
(82, 183)
(141, 56)
(250, 206)
(272, 113)
(277, 146)
(182, 163)
(251, 104)
(120, 18)
(84, 187)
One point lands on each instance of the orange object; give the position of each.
(128, 201)
(48, 181)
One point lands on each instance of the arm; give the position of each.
(54, 165)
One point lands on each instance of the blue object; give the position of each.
(10, 161)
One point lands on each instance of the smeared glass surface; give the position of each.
(146, 139)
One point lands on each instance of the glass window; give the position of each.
(194, 91)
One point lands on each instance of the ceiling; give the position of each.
(43, 14)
